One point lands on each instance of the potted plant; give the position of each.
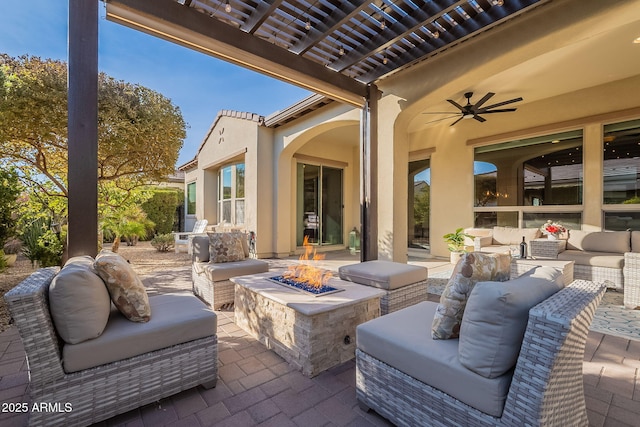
(455, 243)
(11, 249)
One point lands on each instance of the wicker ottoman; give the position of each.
(404, 284)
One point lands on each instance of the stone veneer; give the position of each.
(312, 342)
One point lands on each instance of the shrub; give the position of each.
(41, 244)
(163, 242)
(3, 262)
(161, 209)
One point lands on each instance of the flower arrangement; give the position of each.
(552, 228)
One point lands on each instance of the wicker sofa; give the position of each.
(545, 387)
(177, 361)
(499, 239)
(211, 280)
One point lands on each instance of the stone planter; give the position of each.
(11, 259)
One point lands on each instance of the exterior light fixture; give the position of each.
(307, 26)
(384, 59)
(383, 24)
(498, 2)
(341, 51)
(227, 7)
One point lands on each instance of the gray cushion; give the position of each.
(177, 318)
(79, 301)
(600, 241)
(596, 259)
(513, 236)
(200, 248)
(635, 241)
(496, 317)
(383, 274)
(400, 340)
(216, 272)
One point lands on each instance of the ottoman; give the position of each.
(404, 284)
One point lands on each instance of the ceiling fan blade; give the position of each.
(444, 118)
(460, 118)
(503, 110)
(455, 104)
(488, 107)
(483, 100)
(480, 119)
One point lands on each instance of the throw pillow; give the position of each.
(79, 301)
(125, 287)
(470, 269)
(496, 317)
(225, 247)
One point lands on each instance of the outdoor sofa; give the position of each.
(412, 379)
(211, 279)
(130, 364)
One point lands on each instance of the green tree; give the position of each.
(140, 132)
(9, 192)
(161, 209)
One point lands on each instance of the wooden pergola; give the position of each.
(338, 48)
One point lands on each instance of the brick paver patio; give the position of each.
(257, 387)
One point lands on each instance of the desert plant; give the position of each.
(455, 240)
(3, 262)
(41, 244)
(163, 242)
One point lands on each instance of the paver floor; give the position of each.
(257, 387)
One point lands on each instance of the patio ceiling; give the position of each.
(331, 47)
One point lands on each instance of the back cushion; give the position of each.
(79, 301)
(200, 248)
(635, 241)
(472, 268)
(496, 317)
(600, 241)
(512, 236)
(226, 247)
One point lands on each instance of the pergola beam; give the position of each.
(82, 235)
(172, 21)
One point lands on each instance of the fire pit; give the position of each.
(304, 286)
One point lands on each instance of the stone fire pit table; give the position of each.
(311, 333)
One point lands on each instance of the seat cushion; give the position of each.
(125, 287)
(216, 272)
(596, 259)
(177, 318)
(471, 268)
(79, 301)
(225, 247)
(513, 236)
(399, 340)
(496, 317)
(383, 274)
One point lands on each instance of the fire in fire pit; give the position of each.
(305, 276)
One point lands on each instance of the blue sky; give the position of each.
(200, 85)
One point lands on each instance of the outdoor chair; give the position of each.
(174, 351)
(412, 379)
(182, 241)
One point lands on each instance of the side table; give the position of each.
(547, 249)
(520, 266)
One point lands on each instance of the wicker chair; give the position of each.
(546, 387)
(102, 392)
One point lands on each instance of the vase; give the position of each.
(552, 236)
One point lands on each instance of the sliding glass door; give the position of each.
(319, 205)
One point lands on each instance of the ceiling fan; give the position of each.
(474, 111)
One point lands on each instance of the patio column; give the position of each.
(82, 237)
(369, 176)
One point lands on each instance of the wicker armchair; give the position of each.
(632, 280)
(546, 387)
(102, 392)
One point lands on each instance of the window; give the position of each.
(191, 198)
(621, 163)
(231, 199)
(515, 181)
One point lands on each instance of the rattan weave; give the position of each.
(632, 280)
(403, 297)
(611, 277)
(215, 294)
(102, 392)
(546, 389)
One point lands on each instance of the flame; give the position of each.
(306, 271)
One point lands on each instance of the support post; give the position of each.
(369, 176)
(82, 237)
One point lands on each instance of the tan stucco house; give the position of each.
(570, 153)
